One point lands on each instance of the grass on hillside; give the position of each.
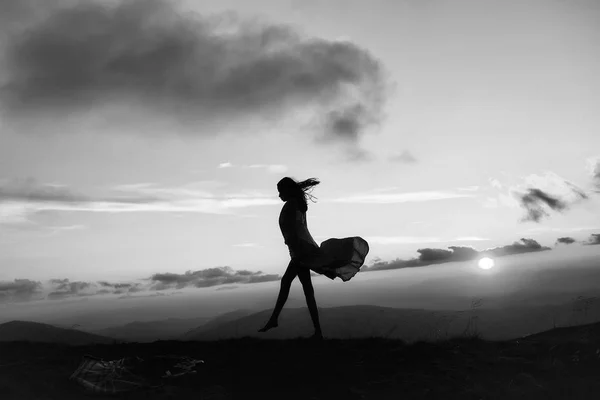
(563, 363)
(539, 366)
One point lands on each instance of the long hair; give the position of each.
(299, 190)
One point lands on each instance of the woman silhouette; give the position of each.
(334, 258)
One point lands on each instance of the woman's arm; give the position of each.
(288, 223)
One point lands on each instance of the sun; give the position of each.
(486, 263)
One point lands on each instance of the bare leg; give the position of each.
(309, 293)
(284, 291)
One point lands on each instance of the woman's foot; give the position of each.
(317, 336)
(269, 325)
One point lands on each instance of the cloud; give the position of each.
(495, 183)
(429, 256)
(119, 288)
(22, 290)
(225, 165)
(69, 57)
(538, 195)
(115, 285)
(405, 157)
(60, 289)
(593, 165)
(594, 239)
(519, 247)
(64, 288)
(393, 264)
(432, 255)
(19, 199)
(547, 192)
(30, 190)
(534, 199)
(565, 240)
(19, 290)
(208, 277)
(391, 198)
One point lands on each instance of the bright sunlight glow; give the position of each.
(486, 263)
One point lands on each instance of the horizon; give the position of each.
(142, 160)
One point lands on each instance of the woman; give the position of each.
(334, 258)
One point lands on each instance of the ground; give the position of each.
(559, 364)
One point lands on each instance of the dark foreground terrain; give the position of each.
(563, 363)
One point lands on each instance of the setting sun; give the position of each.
(486, 263)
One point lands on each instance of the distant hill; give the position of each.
(410, 325)
(215, 322)
(150, 331)
(338, 322)
(38, 332)
(562, 363)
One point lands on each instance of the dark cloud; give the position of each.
(565, 240)
(59, 281)
(433, 255)
(429, 256)
(533, 202)
(463, 253)
(208, 277)
(63, 57)
(117, 285)
(19, 290)
(405, 157)
(394, 264)
(135, 289)
(535, 199)
(522, 246)
(64, 288)
(244, 272)
(593, 239)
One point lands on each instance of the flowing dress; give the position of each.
(335, 257)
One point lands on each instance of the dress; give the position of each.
(335, 257)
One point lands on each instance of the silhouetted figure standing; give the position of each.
(334, 258)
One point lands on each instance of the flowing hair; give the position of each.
(299, 190)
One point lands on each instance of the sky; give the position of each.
(143, 139)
